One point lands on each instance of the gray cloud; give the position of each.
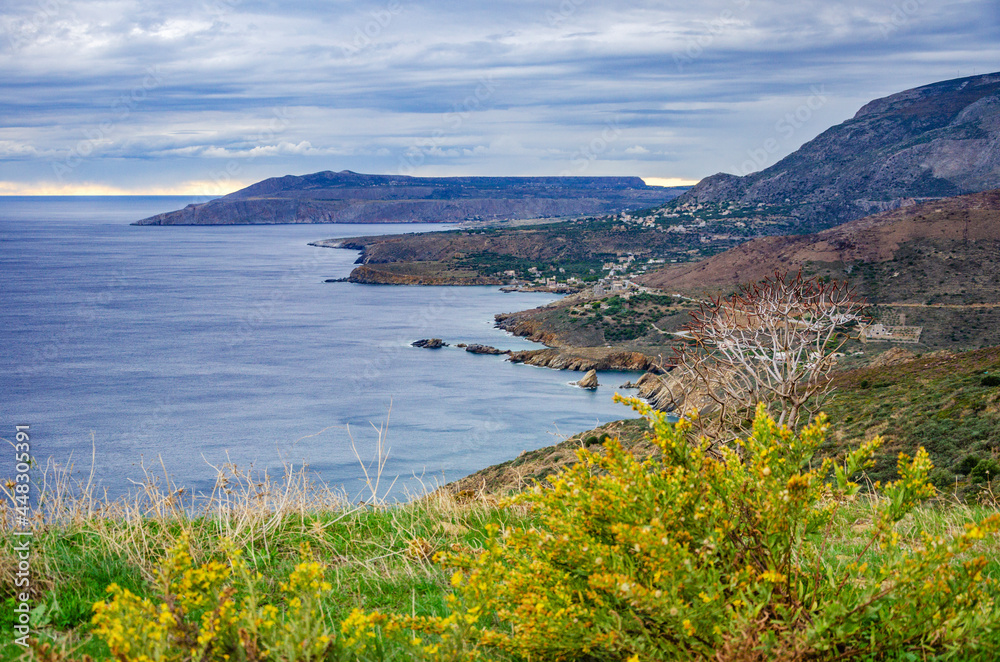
(135, 94)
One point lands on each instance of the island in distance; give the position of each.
(350, 197)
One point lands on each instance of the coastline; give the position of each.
(558, 354)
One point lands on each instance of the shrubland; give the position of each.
(759, 551)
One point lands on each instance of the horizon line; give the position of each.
(202, 189)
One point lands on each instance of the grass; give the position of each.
(377, 556)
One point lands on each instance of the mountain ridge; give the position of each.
(937, 140)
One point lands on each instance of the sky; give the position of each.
(203, 97)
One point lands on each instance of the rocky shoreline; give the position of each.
(516, 324)
(582, 359)
(558, 355)
(371, 275)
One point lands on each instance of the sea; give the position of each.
(172, 351)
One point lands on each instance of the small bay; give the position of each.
(197, 346)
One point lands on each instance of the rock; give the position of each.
(589, 380)
(483, 349)
(461, 344)
(430, 343)
(629, 385)
(670, 392)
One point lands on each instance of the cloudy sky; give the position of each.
(204, 96)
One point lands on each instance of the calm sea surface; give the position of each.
(202, 345)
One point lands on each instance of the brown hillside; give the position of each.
(953, 230)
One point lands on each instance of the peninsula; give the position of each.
(350, 197)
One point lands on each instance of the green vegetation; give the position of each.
(683, 554)
(575, 248)
(941, 401)
(643, 317)
(686, 556)
(728, 218)
(496, 264)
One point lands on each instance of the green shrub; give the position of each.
(985, 471)
(990, 380)
(942, 479)
(698, 555)
(967, 464)
(691, 554)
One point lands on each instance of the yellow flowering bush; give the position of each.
(201, 616)
(691, 555)
(196, 619)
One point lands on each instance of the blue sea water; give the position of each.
(196, 346)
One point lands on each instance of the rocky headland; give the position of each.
(392, 275)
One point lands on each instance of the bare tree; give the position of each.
(773, 342)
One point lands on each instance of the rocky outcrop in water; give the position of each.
(589, 380)
(429, 343)
(476, 348)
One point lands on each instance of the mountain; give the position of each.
(350, 197)
(935, 263)
(929, 142)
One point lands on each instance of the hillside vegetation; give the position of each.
(934, 252)
(578, 248)
(932, 264)
(947, 403)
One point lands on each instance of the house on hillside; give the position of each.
(883, 333)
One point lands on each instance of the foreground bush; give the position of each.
(687, 557)
(213, 611)
(684, 556)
